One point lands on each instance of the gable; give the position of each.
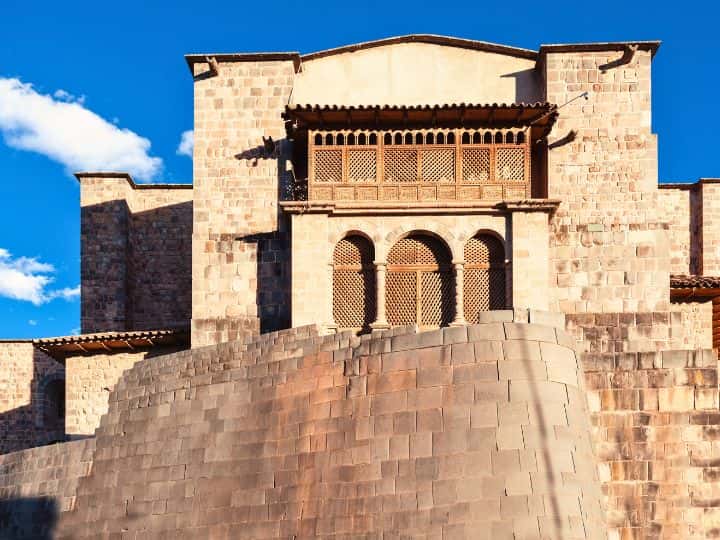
(417, 73)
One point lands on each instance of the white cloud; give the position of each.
(63, 95)
(75, 331)
(26, 278)
(187, 141)
(32, 322)
(67, 293)
(62, 129)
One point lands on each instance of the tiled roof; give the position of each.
(694, 282)
(105, 342)
(440, 107)
(539, 115)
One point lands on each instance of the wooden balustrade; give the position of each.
(419, 165)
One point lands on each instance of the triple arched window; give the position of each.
(420, 281)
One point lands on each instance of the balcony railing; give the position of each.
(419, 165)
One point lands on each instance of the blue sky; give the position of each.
(105, 83)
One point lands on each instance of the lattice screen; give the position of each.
(418, 249)
(484, 276)
(400, 165)
(401, 298)
(362, 165)
(420, 285)
(476, 165)
(437, 298)
(328, 165)
(510, 164)
(438, 165)
(353, 283)
(432, 164)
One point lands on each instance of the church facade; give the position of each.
(418, 181)
(529, 178)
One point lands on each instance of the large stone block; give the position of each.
(254, 436)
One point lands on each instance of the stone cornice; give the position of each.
(125, 176)
(402, 208)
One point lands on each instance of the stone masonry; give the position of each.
(452, 433)
(135, 264)
(90, 379)
(299, 412)
(240, 242)
(24, 373)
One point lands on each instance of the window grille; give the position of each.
(484, 276)
(353, 283)
(419, 165)
(420, 285)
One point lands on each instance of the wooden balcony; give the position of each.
(419, 165)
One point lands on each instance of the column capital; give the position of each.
(380, 264)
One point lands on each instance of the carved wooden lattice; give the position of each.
(362, 166)
(484, 276)
(353, 283)
(328, 166)
(419, 165)
(510, 164)
(400, 165)
(420, 285)
(476, 165)
(438, 165)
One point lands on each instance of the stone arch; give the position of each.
(420, 281)
(370, 233)
(353, 282)
(436, 230)
(50, 412)
(484, 276)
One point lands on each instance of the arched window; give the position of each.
(354, 283)
(54, 405)
(484, 276)
(50, 409)
(420, 286)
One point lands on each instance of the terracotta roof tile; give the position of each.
(694, 282)
(108, 342)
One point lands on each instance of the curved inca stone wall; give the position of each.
(37, 484)
(477, 431)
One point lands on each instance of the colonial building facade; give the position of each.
(419, 180)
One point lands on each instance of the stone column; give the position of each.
(459, 295)
(380, 320)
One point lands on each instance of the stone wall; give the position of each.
(710, 224)
(135, 254)
(686, 326)
(655, 418)
(609, 245)
(24, 375)
(693, 211)
(461, 432)
(241, 260)
(37, 485)
(696, 323)
(90, 379)
(680, 205)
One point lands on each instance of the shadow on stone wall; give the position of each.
(136, 267)
(160, 267)
(39, 422)
(273, 247)
(28, 518)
